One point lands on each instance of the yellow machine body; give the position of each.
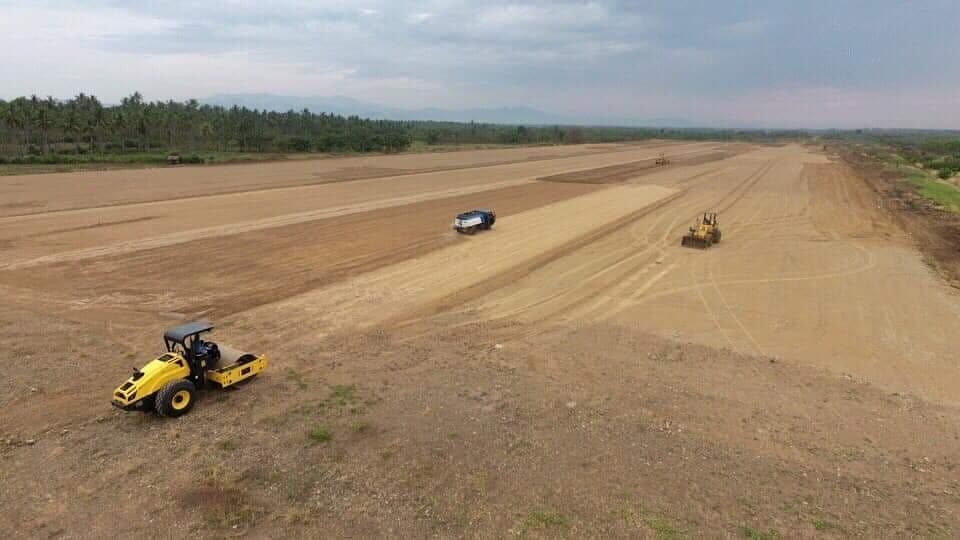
(146, 382)
(704, 234)
(170, 383)
(237, 372)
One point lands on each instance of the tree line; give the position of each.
(31, 126)
(48, 130)
(934, 150)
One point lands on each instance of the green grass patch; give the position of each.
(343, 393)
(753, 534)
(663, 528)
(228, 445)
(942, 193)
(821, 524)
(320, 435)
(544, 519)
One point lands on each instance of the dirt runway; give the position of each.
(809, 269)
(573, 372)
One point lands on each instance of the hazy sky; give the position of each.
(770, 63)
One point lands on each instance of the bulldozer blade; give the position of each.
(691, 242)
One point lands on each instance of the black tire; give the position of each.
(176, 398)
(716, 237)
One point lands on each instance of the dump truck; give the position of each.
(169, 383)
(704, 233)
(474, 220)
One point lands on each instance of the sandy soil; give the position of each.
(809, 269)
(573, 372)
(298, 257)
(88, 189)
(75, 234)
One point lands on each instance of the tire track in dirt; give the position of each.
(248, 226)
(526, 167)
(741, 247)
(707, 263)
(510, 275)
(864, 263)
(603, 292)
(240, 178)
(240, 212)
(612, 262)
(297, 257)
(598, 298)
(635, 169)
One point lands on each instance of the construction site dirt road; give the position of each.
(574, 371)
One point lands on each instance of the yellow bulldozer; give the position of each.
(704, 234)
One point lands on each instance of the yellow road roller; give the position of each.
(168, 384)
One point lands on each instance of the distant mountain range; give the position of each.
(346, 106)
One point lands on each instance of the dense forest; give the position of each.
(35, 130)
(82, 129)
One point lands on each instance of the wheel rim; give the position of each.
(180, 400)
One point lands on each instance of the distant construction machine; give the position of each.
(704, 234)
(662, 160)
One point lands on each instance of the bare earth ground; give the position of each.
(27, 195)
(573, 372)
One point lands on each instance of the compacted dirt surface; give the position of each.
(573, 372)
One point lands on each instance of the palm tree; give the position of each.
(206, 131)
(143, 125)
(120, 125)
(71, 126)
(97, 123)
(18, 121)
(5, 125)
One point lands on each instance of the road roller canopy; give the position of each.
(179, 334)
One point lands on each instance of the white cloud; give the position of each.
(417, 18)
(29, 25)
(745, 29)
(775, 64)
